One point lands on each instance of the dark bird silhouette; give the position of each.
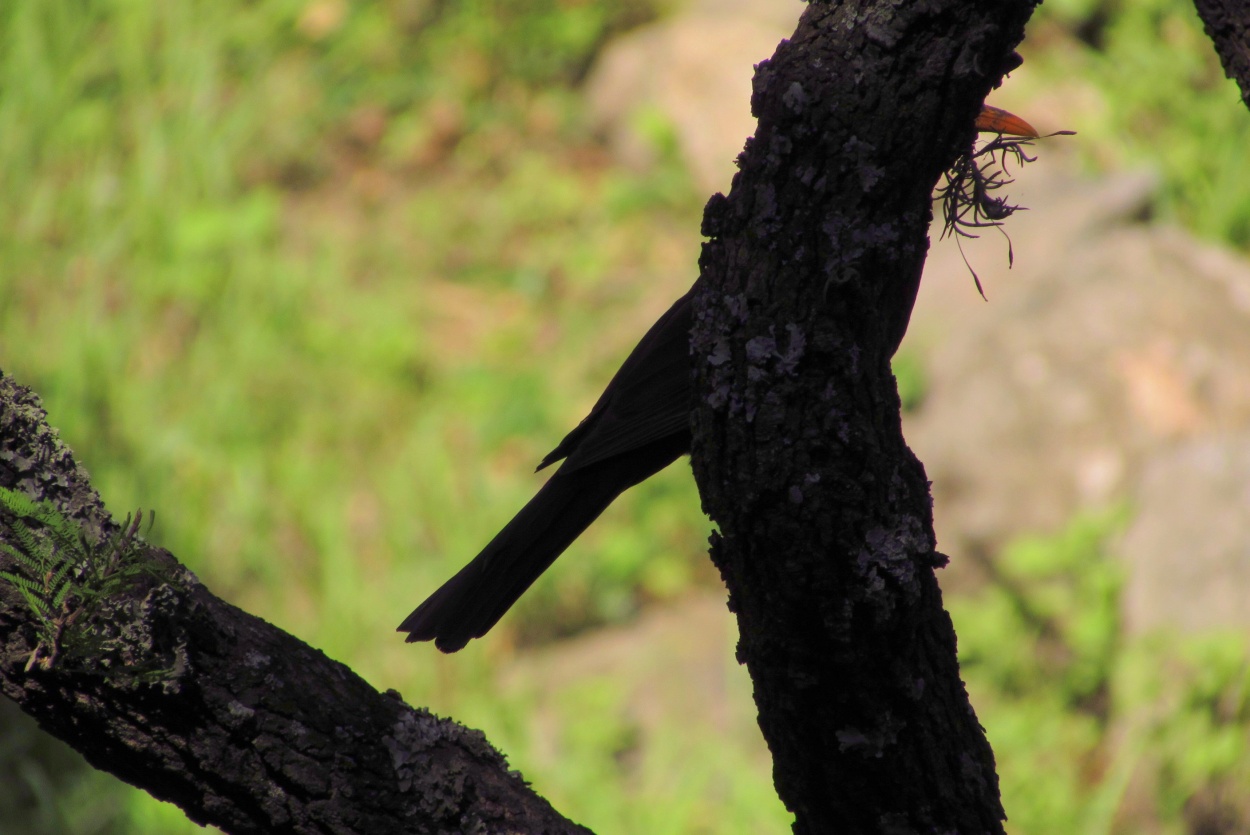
(640, 425)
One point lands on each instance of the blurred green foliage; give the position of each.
(909, 374)
(1153, 94)
(1095, 731)
(321, 280)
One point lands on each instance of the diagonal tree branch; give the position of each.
(235, 721)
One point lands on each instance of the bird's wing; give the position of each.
(648, 399)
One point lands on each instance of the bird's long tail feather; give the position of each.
(474, 600)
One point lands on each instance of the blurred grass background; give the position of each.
(321, 281)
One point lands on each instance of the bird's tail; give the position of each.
(474, 600)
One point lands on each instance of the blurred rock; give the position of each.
(694, 71)
(672, 668)
(1188, 548)
(1113, 342)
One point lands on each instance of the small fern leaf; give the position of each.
(15, 579)
(33, 553)
(36, 603)
(14, 553)
(19, 504)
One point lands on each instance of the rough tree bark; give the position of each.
(826, 540)
(235, 721)
(1227, 24)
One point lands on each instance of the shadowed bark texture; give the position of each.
(235, 721)
(826, 541)
(825, 526)
(1227, 24)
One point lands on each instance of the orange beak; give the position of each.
(994, 120)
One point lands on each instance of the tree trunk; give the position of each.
(1227, 24)
(825, 526)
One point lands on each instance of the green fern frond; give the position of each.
(19, 504)
(28, 547)
(63, 576)
(32, 593)
(23, 584)
(15, 553)
(60, 586)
